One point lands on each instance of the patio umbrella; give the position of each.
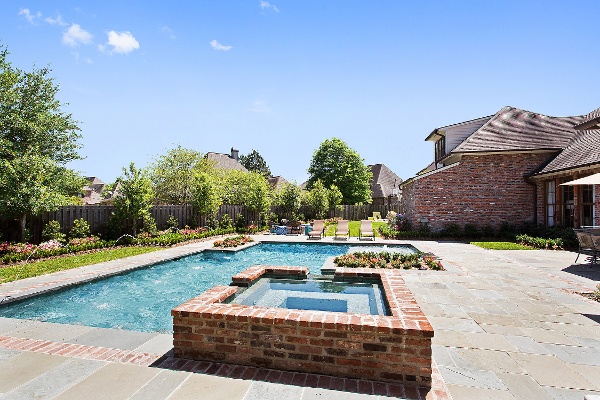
(588, 180)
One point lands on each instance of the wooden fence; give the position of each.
(98, 216)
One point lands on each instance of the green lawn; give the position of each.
(354, 227)
(501, 246)
(35, 268)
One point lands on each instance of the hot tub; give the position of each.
(316, 330)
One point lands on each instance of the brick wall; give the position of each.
(394, 348)
(480, 190)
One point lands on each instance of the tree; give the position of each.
(172, 175)
(249, 189)
(255, 163)
(32, 184)
(334, 163)
(334, 198)
(206, 197)
(135, 197)
(37, 139)
(318, 199)
(288, 198)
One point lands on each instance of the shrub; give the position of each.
(212, 222)
(470, 230)
(226, 222)
(452, 231)
(387, 260)
(52, 232)
(240, 222)
(540, 243)
(172, 224)
(80, 229)
(233, 241)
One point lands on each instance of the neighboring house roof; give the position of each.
(513, 129)
(93, 191)
(592, 121)
(225, 161)
(384, 181)
(583, 150)
(276, 181)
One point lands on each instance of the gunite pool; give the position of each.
(142, 300)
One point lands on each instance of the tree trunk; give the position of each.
(22, 227)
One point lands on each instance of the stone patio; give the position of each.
(508, 325)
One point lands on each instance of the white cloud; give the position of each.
(29, 16)
(75, 36)
(218, 46)
(267, 5)
(260, 106)
(121, 42)
(56, 21)
(168, 31)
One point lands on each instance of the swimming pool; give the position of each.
(142, 300)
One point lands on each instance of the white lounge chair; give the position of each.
(342, 229)
(317, 229)
(366, 230)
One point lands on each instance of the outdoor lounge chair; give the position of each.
(366, 230)
(587, 245)
(342, 229)
(317, 229)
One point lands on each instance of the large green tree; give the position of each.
(172, 175)
(248, 189)
(255, 163)
(317, 199)
(334, 163)
(37, 140)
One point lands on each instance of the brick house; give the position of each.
(507, 168)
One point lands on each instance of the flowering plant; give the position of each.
(82, 241)
(233, 241)
(50, 245)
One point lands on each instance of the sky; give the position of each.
(280, 77)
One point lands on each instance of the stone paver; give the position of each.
(508, 325)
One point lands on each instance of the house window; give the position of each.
(587, 205)
(568, 206)
(550, 203)
(440, 149)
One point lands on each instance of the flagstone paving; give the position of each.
(508, 325)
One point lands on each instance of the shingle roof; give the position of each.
(592, 121)
(515, 129)
(276, 181)
(583, 150)
(225, 161)
(383, 181)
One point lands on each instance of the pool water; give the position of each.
(142, 300)
(323, 294)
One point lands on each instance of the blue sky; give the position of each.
(282, 76)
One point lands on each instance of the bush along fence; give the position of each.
(98, 216)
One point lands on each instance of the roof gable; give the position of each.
(384, 181)
(513, 129)
(583, 150)
(225, 161)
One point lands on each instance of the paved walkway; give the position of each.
(508, 326)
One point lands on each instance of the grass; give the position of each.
(354, 227)
(501, 246)
(36, 268)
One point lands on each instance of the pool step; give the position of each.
(328, 267)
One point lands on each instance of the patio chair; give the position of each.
(342, 229)
(596, 248)
(318, 229)
(586, 245)
(294, 228)
(366, 230)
